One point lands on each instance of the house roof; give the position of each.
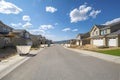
(18, 30)
(5, 25)
(80, 34)
(113, 24)
(114, 33)
(106, 26)
(85, 35)
(98, 26)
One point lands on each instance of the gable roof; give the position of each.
(98, 26)
(5, 25)
(85, 35)
(80, 34)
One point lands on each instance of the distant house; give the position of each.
(37, 40)
(78, 39)
(22, 37)
(5, 30)
(83, 39)
(102, 35)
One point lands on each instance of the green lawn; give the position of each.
(115, 52)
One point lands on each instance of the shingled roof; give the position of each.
(100, 26)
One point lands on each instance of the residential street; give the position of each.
(58, 63)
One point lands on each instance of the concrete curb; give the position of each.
(11, 63)
(115, 59)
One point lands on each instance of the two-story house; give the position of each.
(99, 35)
(5, 30)
(95, 34)
(83, 39)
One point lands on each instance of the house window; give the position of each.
(105, 31)
(102, 32)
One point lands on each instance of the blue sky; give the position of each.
(58, 19)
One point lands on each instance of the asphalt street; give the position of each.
(58, 63)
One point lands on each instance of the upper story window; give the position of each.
(102, 32)
(105, 31)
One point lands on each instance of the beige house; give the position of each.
(100, 35)
(83, 39)
(5, 31)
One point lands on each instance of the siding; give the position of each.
(95, 32)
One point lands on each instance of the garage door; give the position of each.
(112, 42)
(98, 42)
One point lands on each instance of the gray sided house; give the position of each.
(21, 37)
(5, 31)
(100, 35)
(83, 39)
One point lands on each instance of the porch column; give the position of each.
(91, 41)
(105, 41)
(118, 41)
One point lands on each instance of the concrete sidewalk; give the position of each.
(111, 58)
(11, 63)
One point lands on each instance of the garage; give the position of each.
(112, 42)
(98, 42)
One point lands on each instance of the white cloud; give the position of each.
(112, 21)
(94, 13)
(50, 9)
(46, 27)
(26, 18)
(16, 25)
(74, 30)
(27, 24)
(66, 29)
(9, 8)
(41, 30)
(37, 31)
(82, 13)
